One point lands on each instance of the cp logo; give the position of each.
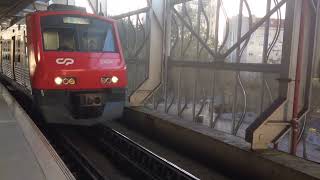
(65, 61)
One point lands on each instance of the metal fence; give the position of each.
(225, 61)
(209, 76)
(134, 30)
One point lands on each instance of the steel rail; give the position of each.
(144, 162)
(76, 155)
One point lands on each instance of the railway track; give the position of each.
(132, 157)
(118, 156)
(98, 166)
(77, 162)
(73, 160)
(72, 157)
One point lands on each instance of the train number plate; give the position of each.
(90, 99)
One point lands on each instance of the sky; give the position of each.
(116, 6)
(232, 6)
(122, 6)
(257, 7)
(84, 3)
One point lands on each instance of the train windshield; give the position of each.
(77, 33)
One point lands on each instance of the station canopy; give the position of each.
(12, 11)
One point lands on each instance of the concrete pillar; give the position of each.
(290, 54)
(145, 90)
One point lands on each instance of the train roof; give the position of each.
(69, 12)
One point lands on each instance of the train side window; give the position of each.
(17, 59)
(19, 43)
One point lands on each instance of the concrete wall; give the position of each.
(226, 153)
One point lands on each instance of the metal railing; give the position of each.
(219, 69)
(134, 29)
(204, 63)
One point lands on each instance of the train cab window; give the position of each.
(77, 33)
(51, 40)
(109, 42)
(59, 39)
(97, 39)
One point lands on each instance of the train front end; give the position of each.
(77, 68)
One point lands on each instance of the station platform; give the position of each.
(24, 151)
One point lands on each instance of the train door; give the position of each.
(6, 58)
(1, 56)
(26, 61)
(18, 58)
(13, 47)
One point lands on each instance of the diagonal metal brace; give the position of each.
(267, 128)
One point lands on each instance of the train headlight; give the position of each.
(109, 80)
(58, 80)
(72, 81)
(105, 80)
(65, 80)
(114, 79)
(69, 81)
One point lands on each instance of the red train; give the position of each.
(69, 62)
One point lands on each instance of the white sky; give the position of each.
(116, 6)
(258, 7)
(84, 3)
(122, 6)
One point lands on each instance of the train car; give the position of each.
(69, 62)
